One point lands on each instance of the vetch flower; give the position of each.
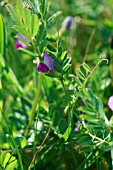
(47, 65)
(77, 127)
(110, 103)
(20, 44)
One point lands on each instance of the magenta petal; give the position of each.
(19, 44)
(42, 68)
(110, 103)
(76, 128)
(48, 61)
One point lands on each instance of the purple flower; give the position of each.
(77, 127)
(20, 44)
(67, 22)
(110, 103)
(47, 65)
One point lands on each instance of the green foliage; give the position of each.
(7, 161)
(27, 23)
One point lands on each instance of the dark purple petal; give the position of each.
(24, 38)
(43, 67)
(19, 44)
(110, 103)
(67, 22)
(48, 61)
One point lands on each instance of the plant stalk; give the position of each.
(62, 82)
(34, 106)
(89, 44)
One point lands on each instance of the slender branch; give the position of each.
(36, 100)
(23, 149)
(34, 157)
(35, 48)
(89, 43)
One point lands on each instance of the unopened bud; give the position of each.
(67, 23)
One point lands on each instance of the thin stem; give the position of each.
(24, 149)
(35, 47)
(63, 86)
(33, 44)
(34, 157)
(89, 44)
(35, 134)
(36, 101)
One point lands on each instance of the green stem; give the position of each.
(63, 86)
(89, 44)
(35, 47)
(36, 101)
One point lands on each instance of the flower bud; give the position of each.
(67, 23)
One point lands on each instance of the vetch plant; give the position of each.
(76, 130)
